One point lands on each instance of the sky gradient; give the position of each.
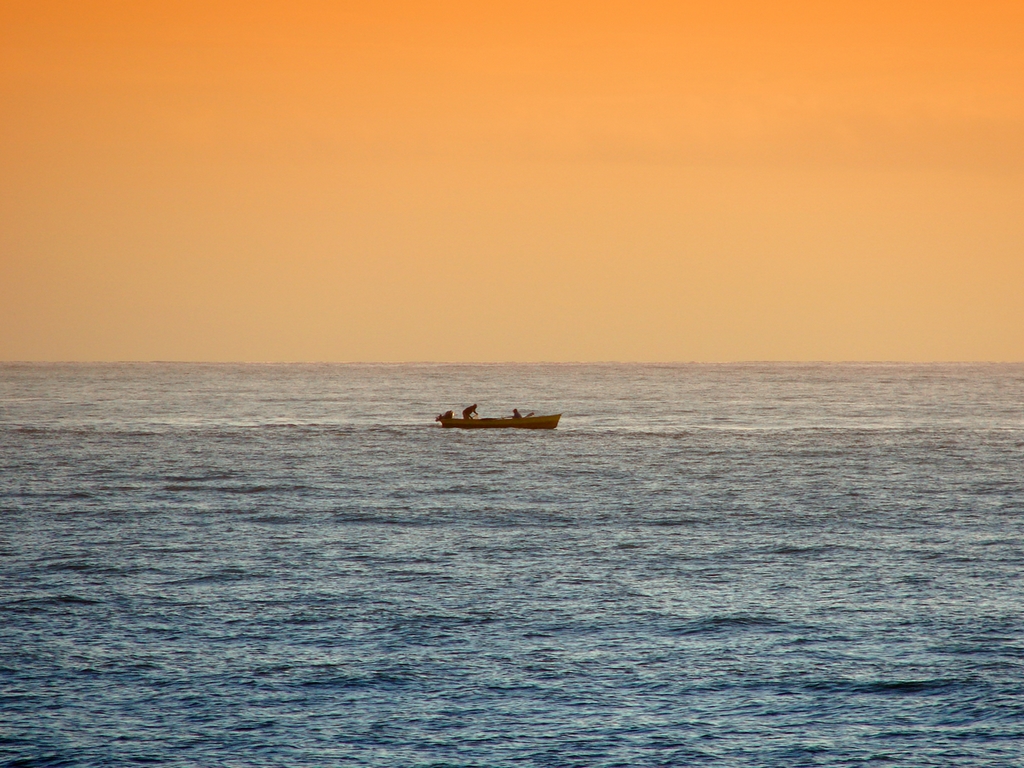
(511, 181)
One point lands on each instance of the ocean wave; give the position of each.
(730, 623)
(40, 603)
(892, 687)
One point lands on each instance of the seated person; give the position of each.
(469, 413)
(516, 414)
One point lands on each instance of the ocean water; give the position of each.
(728, 565)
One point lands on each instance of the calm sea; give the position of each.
(728, 565)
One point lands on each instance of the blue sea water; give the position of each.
(728, 565)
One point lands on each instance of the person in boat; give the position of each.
(516, 414)
(469, 413)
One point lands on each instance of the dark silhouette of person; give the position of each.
(469, 413)
(516, 414)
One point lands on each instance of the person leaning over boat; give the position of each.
(469, 413)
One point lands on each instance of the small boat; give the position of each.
(524, 422)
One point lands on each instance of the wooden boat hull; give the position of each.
(527, 422)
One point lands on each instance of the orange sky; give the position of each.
(511, 181)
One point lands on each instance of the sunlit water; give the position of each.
(750, 565)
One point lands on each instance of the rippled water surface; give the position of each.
(749, 565)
